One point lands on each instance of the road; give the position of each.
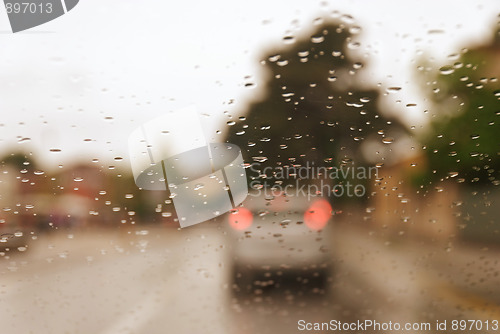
(163, 280)
(147, 281)
(105, 282)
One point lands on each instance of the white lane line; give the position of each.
(133, 320)
(137, 317)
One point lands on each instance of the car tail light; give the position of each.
(318, 214)
(240, 219)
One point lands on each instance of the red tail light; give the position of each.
(240, 219)
(318, 214)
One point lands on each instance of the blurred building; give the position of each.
(400, 208)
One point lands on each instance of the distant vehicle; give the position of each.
(280, 239)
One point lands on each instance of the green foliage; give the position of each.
(464, 137)
(18, 160)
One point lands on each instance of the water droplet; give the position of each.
(446, 70)
(289, 39)
(393, 89)
(317, 39)
(260, 159)
(355, 105)
(353, 45)
(357, 65)
(24, 140)
(435, 31)
(230, 123)
(346, 18)
(55, 150)
(274, 58)
(318, 21)
(78, 179)
(388, 140)
(355, 30)
(282, 63)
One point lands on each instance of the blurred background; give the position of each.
(409, 89)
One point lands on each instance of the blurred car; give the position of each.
(280, 239)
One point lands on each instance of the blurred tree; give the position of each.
(19, 160)
(463, 140)
(316, 108)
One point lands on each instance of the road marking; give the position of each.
(136, 318)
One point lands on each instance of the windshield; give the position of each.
(251, 167)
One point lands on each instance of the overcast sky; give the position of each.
(83, 82)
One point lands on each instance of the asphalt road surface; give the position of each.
(163, 280)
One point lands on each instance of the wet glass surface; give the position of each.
(220, 168)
